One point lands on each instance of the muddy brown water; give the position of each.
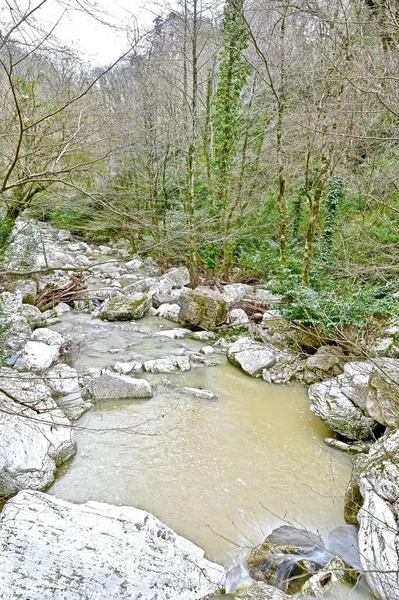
(221, 473)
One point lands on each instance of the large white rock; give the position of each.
(179, 276)
(167, 365)
(174, 334)
(37, 356)
(235, 292)
(378, 545)
(63, 382)
(251, 356)
(126, 308)
(169, 311)
(35, 436)
(54, 550)
(329, 402)
(237, 316)
(48, 336)
(107, 385)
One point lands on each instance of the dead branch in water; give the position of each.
(51, 295)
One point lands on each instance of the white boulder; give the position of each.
(96, 551)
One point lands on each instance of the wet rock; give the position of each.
(288, 558)
(64, 235)
(204, 308)
(174, 334)
(101, 551)
(48, 336)
(324, 580)
(62, 308)
(378, 544)
(125, 308)
(329, 402)
(202, 336)
(251, 356)
(237, 316)
(107, 385)
(167, 365)
(179, 276)
(63, 382)
(35, 436)
(199, 393)
(367, 393)
(169, 311)
(343, 542)
(373, 496)
(124, 368)
(37, 356)
(260, 591)
(207, 350)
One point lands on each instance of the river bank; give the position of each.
(205, 433)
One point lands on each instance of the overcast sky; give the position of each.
(100, 43)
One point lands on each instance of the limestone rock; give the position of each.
(204, 308)
(251, 356)
(367, 392)
(63, 382)
(169, 311)
(125, 308)
(64, 235)
(35, 436)
(235, 292)
(177, 333)
(179, 276)
(328, 360)
(261, 591)
(288, 558)
(107, 385)
(167, 365)
(378, 545)
(33, 316)
(330, 403)
(135, 264)
(237, 316)
(124, 368)
(48, 336)
(37, 356)
(96, 551)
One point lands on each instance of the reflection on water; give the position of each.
(221, 473)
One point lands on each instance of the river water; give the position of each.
(222, 473)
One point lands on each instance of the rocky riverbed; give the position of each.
(48, 385)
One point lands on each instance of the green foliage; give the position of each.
(233, 73)
(336, 304)
(332, 202)
(6, 226)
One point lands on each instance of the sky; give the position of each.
(97, 42)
